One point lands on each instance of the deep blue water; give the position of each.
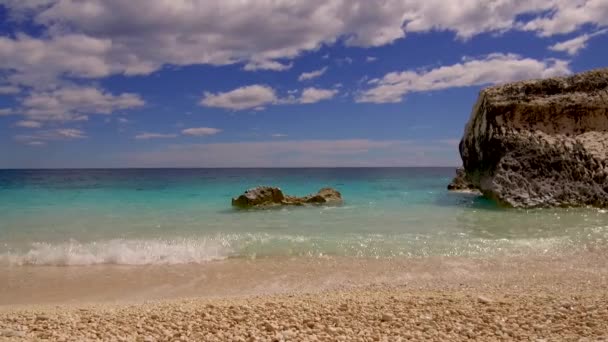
(142, 216)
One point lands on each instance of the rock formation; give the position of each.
(542, 142)
(461, 182)
(266, 196)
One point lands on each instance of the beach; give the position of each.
(159, 255)
(543, 298)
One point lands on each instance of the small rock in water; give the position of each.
(267, 196)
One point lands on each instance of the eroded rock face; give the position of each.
(266, 196)
(542, 142)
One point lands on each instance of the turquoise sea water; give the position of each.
(167, 216)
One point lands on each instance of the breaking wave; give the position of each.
(121, 252)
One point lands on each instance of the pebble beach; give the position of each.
(546, 299)
(372, 314)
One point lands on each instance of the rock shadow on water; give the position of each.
(468, 200)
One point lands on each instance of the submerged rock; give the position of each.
(266, 196)
(541, 142)
(461, 182)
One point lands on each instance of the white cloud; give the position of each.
(194, 131)
(495, 68)
(567, 16)
(279, 135)
(51, 135)
(247, 97)
(312, 75)
(39, 62)
(9, 90)
(72, 103)
(574, 45)
(70, 133)
(313, 95)
(28, 124)
(97, 38)
(36, 143)
(371, 59)
(6, 111)
(201, 131)
(258, 96)
(267, 65)
(148, 136)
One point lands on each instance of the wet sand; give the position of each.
(543, 297)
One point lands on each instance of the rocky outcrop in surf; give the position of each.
(461, 183)
(267, 196)
(541, 143)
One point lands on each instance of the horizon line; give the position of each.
(226, 167)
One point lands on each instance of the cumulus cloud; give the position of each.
(371, 59)
(248, 97)
(201, 131)
(495, 68)
(312, 75)
(148, 136)
(574, 45)
(313, 95)
(73, 103)
(28, 124)
(258, 96)
(96, 38)
(39, 62)
(567, 16)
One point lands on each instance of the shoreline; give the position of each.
(27, 285)
(556, 297)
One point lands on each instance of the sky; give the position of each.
(270, 83)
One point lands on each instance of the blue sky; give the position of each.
(231, 83)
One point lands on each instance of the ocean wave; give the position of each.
(121, 252)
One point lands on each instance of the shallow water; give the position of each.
(174, 216)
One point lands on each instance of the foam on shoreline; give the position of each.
(121, 252)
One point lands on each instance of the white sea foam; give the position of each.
(121, 252)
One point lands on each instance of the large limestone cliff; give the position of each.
(541, 142)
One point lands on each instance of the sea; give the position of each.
(184, 216)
